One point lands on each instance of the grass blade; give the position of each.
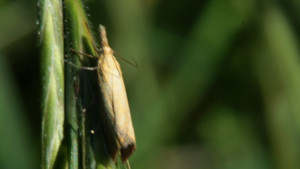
(52, 64)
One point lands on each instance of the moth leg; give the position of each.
(83, 54)
(81, 67)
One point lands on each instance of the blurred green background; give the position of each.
(217, 87)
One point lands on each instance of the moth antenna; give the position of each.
(135, 64)
(83, 54)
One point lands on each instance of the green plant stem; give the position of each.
(72, 41)
(52, 66)
(77, 30)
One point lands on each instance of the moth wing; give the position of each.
(123, 123)
(117, 108)
(108, 115)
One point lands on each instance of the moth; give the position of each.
(116, 120)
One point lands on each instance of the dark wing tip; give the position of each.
(127, 151)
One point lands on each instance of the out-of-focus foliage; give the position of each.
(217, 87)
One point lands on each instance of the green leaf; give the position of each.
(52, 68)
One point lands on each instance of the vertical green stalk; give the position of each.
(74, 29)
(73, 40)
(52, 68)
(79, 38)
